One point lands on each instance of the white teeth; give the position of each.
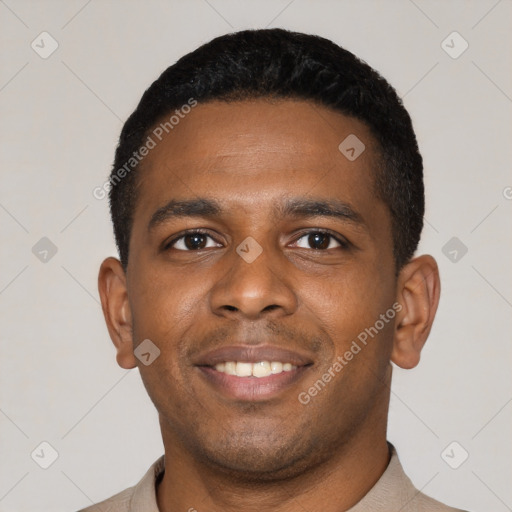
(229, 368)
(243, 369)
(276, 367)
(259, 369)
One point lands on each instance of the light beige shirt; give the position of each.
(393, 492)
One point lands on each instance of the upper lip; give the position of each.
(251, 354)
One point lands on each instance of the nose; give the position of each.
(253, 288)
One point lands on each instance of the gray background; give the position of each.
(60, 119)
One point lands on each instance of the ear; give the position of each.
(116, 309)
(418, 290)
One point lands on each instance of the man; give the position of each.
(267, 200)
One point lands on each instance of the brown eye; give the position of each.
(192, 241)
(321, 240)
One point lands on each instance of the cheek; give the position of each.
(345, 303)
(168, 309)
(163, 305)
(351, 313)
(162, 314)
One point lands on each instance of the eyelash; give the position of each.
(344, 244)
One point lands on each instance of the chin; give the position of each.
(249, 458)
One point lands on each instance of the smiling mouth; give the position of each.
(253, 382)
(252, 372)
(260, 369)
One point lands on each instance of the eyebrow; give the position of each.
(294, 208)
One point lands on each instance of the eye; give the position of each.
(322, 240)
(193, 240)
(197, 240)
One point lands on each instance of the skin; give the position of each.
(224, 454)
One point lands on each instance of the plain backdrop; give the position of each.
(60, 120)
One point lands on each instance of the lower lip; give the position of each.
(252, 388)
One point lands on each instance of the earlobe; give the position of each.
(418, 292)
(116, 310)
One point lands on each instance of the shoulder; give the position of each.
(120, 502)
(423, 503)
(395, 491)
(139, 497)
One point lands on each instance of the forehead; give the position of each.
(249, 151)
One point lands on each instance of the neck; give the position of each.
(334, 485)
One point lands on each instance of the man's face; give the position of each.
(214, 298)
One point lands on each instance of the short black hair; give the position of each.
(277, 63)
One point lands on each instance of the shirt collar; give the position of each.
(144, 493)
(393, 491)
